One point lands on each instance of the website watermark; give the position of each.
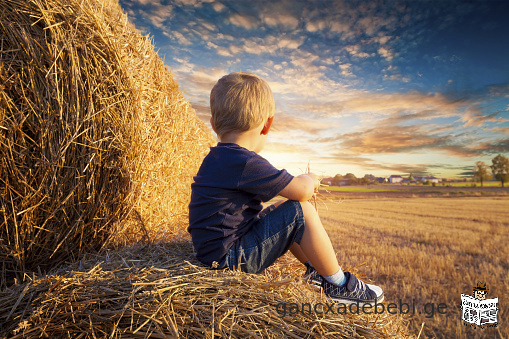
(429, 309)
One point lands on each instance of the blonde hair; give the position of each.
(240, 101)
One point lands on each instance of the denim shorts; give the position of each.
(268, 239)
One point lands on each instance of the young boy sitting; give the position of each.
(226, 221)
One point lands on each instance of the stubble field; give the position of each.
(427, 251)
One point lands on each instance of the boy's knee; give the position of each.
(308, 208)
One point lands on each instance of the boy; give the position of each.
(226, 221)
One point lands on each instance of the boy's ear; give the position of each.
(268, 124)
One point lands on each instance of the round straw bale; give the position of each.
(97, 143)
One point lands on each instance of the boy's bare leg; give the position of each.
(297, 253)
(315, 245)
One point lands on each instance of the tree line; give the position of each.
(499, 169)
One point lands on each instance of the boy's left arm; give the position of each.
(301, 188)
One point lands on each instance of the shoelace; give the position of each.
(362, 285)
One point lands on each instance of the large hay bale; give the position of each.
(94, 131)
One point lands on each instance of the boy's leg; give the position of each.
(297, 253)
(315, 245)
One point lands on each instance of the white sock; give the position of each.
(337, 278)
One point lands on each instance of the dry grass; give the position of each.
(160, 291)
(93, 131)
(428, 250)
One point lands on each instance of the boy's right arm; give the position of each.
(301, 188)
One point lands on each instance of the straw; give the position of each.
(98, 145)
(161, 291)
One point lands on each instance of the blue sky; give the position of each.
(363, 87)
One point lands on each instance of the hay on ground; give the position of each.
(94, 131)
(158, 291)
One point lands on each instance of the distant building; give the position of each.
(431, 179)
(395, 179)
(327, 181)
(382, 180)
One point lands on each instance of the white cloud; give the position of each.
(386, 53)
(355, 50)
(286, 21)
(193, 3)
(243, 21)
(345, 70)
(218, 7)
(179, 37)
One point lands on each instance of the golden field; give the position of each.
(427, 251)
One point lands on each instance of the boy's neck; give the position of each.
(251, 140)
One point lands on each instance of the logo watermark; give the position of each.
(430, 309)
(476, 310)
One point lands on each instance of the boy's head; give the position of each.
(239, 102)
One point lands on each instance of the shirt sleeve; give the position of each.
(262, 179)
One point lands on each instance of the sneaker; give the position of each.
(312, 276)
(353, 291)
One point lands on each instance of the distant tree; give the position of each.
(500, 168)
(351, 178)
(337, 179)
(364, 181)
(481, 171)
(370, 177)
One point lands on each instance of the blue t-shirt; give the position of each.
(226, 198)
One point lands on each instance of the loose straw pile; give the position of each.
(98, 145)
(159, 291)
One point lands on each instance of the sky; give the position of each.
(363, 87)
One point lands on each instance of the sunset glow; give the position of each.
(367, 87)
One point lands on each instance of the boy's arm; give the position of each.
(301, 188)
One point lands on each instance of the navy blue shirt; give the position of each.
(226, 198)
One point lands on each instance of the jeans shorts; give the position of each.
(268, 239)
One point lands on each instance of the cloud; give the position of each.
(501, 130)
(386, 53)
(346, 70)
(355, 51)
(396, 107)
(286, 21)
(218, 7)
(202, 112)
(494, 146)
(183, 40)
(244, 21)
(475, 115)
(192, 3)
(398, 139)
(368, 164)
(285, 122)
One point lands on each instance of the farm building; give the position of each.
(395, 179)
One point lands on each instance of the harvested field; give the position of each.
(428, 250)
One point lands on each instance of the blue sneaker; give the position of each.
(312, 276)
(353, 291)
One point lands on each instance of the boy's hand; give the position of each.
(301, 188)
(316, 180)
